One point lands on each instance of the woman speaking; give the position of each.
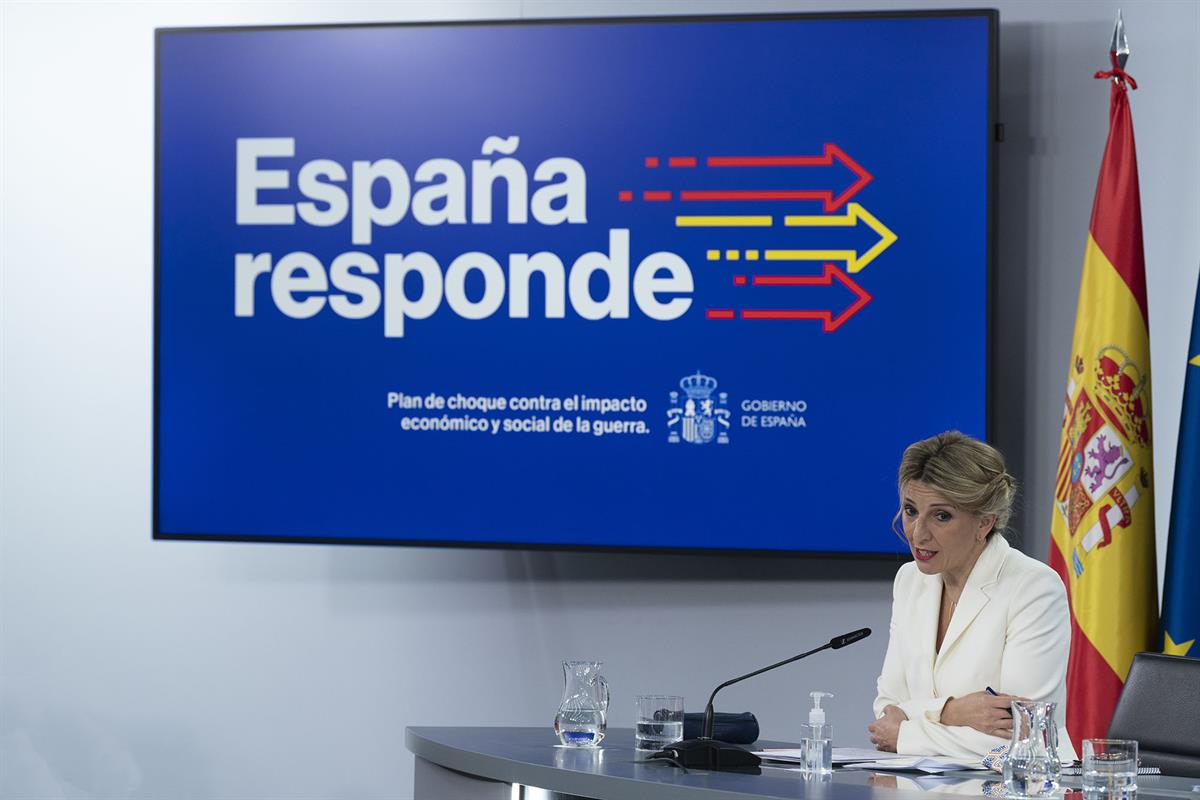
(975, 624)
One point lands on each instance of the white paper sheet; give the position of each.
(841, 755)
(927, 764)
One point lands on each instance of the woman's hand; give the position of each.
(886, 730)
(989, 713)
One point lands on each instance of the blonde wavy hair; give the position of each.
(967, 472)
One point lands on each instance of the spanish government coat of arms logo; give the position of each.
(699, 419)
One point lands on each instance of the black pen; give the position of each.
(994, 693)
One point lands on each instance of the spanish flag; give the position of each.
(1102, 532)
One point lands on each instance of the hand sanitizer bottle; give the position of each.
(817, 740)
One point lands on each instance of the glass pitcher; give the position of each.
(583, 713)
(1032, 768)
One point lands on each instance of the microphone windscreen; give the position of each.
(849, 638)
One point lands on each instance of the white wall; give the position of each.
(132, 668)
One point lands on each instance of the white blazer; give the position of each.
(1011, 630)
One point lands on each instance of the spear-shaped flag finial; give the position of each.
(1120, 45)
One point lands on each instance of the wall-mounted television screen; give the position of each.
(688, 282)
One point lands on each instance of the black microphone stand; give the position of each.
(709, 753)
(708, 709)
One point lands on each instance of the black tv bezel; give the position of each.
(992, 16)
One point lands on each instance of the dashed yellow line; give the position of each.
(750, 221)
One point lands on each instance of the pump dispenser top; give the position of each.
(817, 715)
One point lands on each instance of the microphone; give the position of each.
(838, 642)
(708, 753)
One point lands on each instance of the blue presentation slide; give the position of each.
(632, 284)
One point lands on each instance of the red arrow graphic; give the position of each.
(829, 322)
(831, 203)
(832, 151)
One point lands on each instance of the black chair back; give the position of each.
(1160, 707)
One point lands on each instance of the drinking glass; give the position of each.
(659, 721)
(1110, 769)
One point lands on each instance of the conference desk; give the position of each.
(526, 764)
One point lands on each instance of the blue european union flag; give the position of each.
(1181, 594)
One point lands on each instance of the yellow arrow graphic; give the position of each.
(854, 261)
(1194, 361)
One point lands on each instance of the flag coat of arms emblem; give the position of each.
(1102, 531)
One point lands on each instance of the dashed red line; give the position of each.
(740, 280)
(651, 196)
(651, 161)
(625, 197)
(755, 313)
(681, 161)
(768, 161)
(791, 280)
(720, 313)
(748, 194)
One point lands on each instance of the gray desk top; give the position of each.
(615, 771)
